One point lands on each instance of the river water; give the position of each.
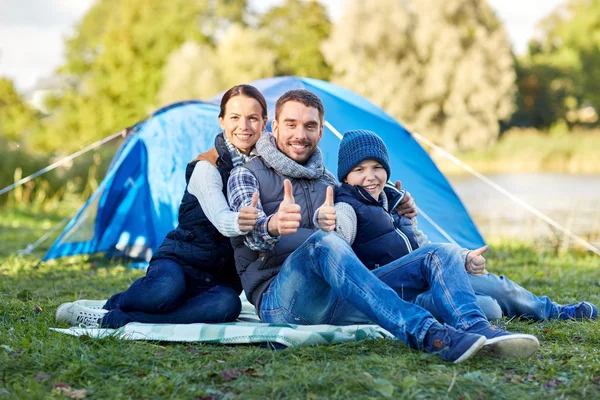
(571, 200)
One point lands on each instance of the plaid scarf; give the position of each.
(237, 157)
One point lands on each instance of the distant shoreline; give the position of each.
(531, 151)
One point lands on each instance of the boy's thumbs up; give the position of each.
(287, 192)
(475, 262)
(479, 251)
(398, 185)
(329, 196)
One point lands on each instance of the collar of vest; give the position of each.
(360, 194)
(224, 156)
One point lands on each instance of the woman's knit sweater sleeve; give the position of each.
(206, 185)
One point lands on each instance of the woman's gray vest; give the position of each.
(257, 270)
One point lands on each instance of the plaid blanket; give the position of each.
(247, 329)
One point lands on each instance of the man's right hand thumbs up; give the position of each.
(288, 196)
(326, 216)
(287, 219)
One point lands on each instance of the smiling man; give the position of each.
(295, 274)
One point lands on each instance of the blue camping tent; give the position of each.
(137, 202)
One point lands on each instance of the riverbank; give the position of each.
(530, 150)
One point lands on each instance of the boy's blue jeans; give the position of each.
(172, 294)
(498, 296)
(323, 282)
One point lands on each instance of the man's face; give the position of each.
(297, 131)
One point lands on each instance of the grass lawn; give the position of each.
(37, 363)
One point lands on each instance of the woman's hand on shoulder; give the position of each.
(248, 215)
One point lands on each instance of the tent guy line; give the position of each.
(508, 194)
(63, 160)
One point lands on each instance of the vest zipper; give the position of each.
(308, 200)
(398, 231)
(402, 235)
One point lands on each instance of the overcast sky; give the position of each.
(32, 31)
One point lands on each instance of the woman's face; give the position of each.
(243, 122)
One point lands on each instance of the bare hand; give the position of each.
(407, 206)
(475, 262)
(287, 219)
(248, 215)
(326, 216)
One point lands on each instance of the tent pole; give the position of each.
(508, 194)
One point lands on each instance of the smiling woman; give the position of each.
(192, 276)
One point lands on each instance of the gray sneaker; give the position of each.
(93, 304)
(74, 314)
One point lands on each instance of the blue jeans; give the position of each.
(172, 294)
(323, 282)
(499, 296)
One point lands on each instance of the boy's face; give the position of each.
(369, 174)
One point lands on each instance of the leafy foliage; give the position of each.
(444, 68)
(17, 119)
(560, 72)
(296, 30)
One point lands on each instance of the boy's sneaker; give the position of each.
(582, 310)
(74, 314)
(450, 344)
(504, 343)
(93, 304)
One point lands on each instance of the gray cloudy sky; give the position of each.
(32, 31)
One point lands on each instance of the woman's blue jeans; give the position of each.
(172, 294)
(323, 282)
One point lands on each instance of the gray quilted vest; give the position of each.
(257, 270)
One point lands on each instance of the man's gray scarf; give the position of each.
(274, 158)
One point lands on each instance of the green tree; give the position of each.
(442, 67)
(296, 30)
(565, 60)
(200, 71)
(17, 119)
(118, 54)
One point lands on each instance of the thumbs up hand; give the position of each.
(326, 214)
(248, 215)
(286, 220)
(475, 262)
(407, 206)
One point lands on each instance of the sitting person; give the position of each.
(366, 219)
(296, 274)
(191, 277)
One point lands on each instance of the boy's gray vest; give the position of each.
(257, 270)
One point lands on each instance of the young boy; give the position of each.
(365, 207)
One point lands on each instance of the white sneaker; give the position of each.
(74, 314)
(93, 304)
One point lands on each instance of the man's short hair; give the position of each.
(301, 96)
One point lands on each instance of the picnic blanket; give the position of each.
(246, 329)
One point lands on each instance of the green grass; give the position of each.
(33, 359)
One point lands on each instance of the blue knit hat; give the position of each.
(358, 146)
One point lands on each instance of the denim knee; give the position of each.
(490, 307)
(329, 240)
(228, 307)
(165, 283)
(448, 254)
